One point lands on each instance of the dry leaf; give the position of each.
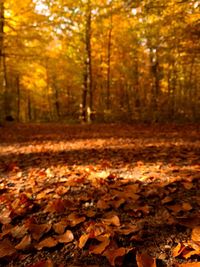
(66, 237)
(57, 205)
(19, 231)
(144, 260)
(38, 230)
(25, 243)
(112, 220)
(6, 248)
(178, 250)
(190, 264)
(196, 234)
(47, 263)
(59, 227)
(113, 253)
(75, 219)
(5, 216)
(129, 229)
(83, 239)
(103, 205)
(187, 206)
(98, 249)
(49, 242)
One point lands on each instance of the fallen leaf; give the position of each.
(178, 250)
(190, 264)
(144, 260)
(59, 227)
(5, 216)
(129, 229)
(19, 231)
(25, 243)
(83, 240)
(112, 220)
(47, 263)
(57, 205)
(113, 253)
(75, 219)
(66, 237)
(6, 248)
(187, 206)
(196, 234)
(98, 249)
(48, 242)
(38, 230)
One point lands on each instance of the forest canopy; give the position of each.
(100, 60)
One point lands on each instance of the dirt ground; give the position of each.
(99, 195)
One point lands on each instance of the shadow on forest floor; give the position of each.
(104, 198)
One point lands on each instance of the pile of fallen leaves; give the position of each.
(99, 195)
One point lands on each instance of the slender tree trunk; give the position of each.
(87, 106)
(108, 63)
(18, 97)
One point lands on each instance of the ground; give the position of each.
(99, 195)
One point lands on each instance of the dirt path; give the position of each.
(99, 195)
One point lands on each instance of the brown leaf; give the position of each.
(48, 242)
(38, 230)
(112, 220)
(47, 263)
(6, 248)
(25, 243)
(19, 231)
(57, 205)
(113, 253)
(66, 237)
(83, 240)
(5, 216)
(75, 219)
(144, 260)
(186, 206)
(103, 205)
(59, 227)
(105, 241)
(129, 229)
(196, 234)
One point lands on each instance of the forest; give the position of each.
(102, 60)
(99, 133)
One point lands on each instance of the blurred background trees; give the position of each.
(100, 60)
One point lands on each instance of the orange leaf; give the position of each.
(178, 250)
(113, 253)
(5, 217)
(191, 264)
(49, 242)
(6, 248)
(105, 241)
(25, 243)
(19, 231)
(186, 206)
(144, 260)
(66, 237)
(196, 234)
(38, 230)
(83, 239)
(75, 219)
(113, 220)
(59, 227)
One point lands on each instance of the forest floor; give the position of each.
(99, 195)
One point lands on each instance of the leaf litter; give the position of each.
(99, 195)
